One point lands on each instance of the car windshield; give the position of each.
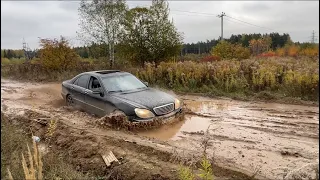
(122, 83)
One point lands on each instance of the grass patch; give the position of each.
(14, 142)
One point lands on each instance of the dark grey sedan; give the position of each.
(102, 92)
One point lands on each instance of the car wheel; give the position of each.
(70, 101)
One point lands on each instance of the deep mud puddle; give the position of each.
(274, 138)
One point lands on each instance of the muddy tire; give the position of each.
(69, 100)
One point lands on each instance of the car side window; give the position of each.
(76, 81)
(82, 81)
(94, 83)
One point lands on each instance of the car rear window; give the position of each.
(82, 81)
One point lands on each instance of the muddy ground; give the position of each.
(269, 139)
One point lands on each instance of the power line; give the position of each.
(203, 15)
(210, 14)
(249, 23)
(192, 12)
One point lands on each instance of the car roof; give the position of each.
(105, 73)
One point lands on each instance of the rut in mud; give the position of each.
(244, 136)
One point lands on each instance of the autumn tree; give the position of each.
(291, 50)
(223, 49)
(309, 49)
(19, 53)
(100, 22)
(258, 46)
(240, 52)
(148, 35)
(57, 54)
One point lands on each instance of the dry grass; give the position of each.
(270, 78)
(288, 77)
(13, 147)
(51, 129)
(34, 170)
(35, 164)
(10, 175)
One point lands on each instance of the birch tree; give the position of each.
(100, 22)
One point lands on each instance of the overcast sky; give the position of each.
(50, 19)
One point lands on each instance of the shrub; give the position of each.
(211, 58)
(12, 61)
(57, 54)
(293, 50)
(286, 76)
(240, 52)
(268, 54)
(289, 76)
(280, 52)
(205, 171)
(223, 49)
(192, 57)
(5, 61)
(310, 51)
(226, 50)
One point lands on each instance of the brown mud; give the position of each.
(270, 139)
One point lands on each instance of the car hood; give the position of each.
(149, 98)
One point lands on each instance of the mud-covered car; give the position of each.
(103, 92)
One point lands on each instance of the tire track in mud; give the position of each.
(244, 135)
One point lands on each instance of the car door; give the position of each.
(95, 103)
(79, 90)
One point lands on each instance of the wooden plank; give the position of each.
(108, 159)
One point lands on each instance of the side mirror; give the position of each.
(146, 83)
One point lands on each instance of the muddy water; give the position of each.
(274, 138)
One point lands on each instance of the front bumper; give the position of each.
(166, 117)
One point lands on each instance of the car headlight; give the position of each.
(143, 113)
(177, 104)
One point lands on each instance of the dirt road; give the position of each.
(268, 138)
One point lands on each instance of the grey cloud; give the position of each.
(256, 6)
(50, 19)
(70, 6)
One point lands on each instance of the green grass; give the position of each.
(5, 61)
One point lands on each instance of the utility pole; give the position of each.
(313, 37)
(25, 50)
(221, 16)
